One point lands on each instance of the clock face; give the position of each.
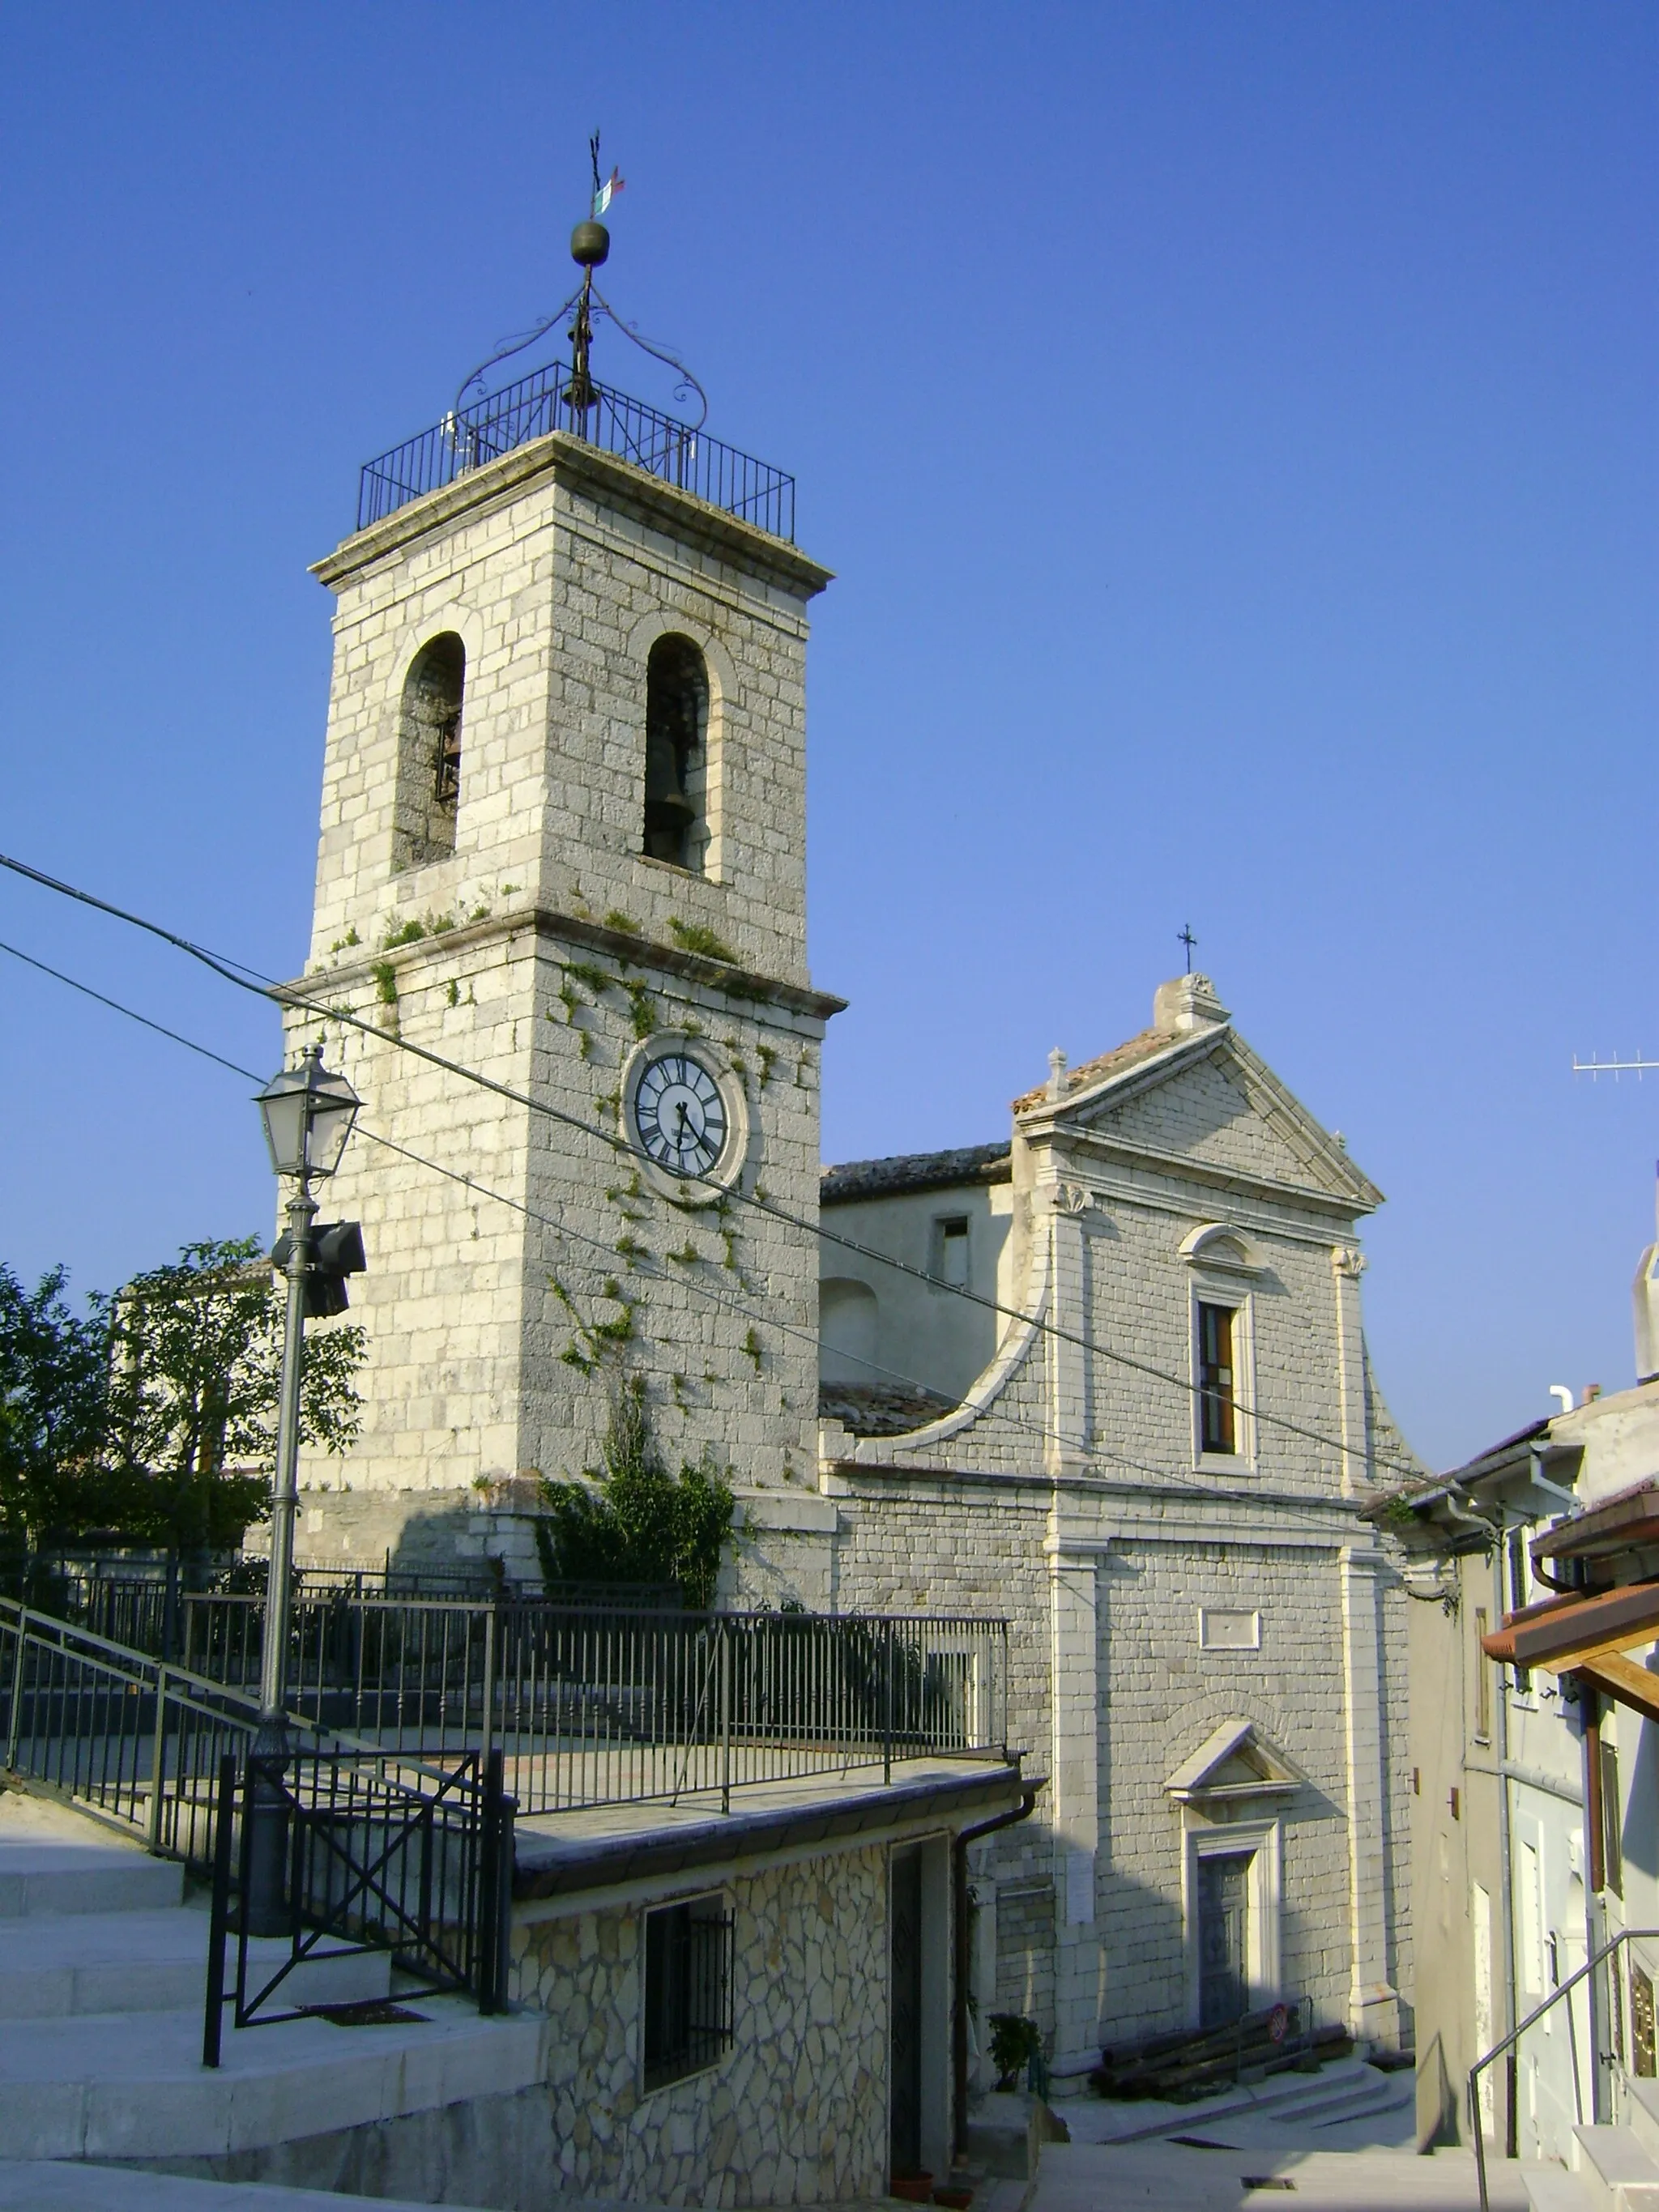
(680, 1115)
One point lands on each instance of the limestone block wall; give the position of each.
(1163, 1697)
(795, 2112)
(557, 571)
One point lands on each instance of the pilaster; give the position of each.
(1374, 2009)
(1074, 1557)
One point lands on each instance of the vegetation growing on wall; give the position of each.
(634, 1522)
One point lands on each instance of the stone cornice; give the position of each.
(745, 987)
(1214, 1174)
(560, 458)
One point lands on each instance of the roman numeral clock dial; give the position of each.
(679, 1115)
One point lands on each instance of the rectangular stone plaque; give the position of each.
(1228, 1631)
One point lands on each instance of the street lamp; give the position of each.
(307, 1114)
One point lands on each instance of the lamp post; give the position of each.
(307, 1114)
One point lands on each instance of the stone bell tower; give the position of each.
(563, 846)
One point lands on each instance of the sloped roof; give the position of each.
(966, 1163)
(1146, 1046)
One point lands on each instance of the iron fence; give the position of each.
(374, 1862)
(597, 1703)
(669, 450)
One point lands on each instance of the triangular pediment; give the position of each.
(1210, 1100)
(1236, 1762)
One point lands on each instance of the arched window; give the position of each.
(847, 1320)
(676, 753)
(429, 754)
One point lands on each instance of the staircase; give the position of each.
(1614, 2169)
(102, 1986)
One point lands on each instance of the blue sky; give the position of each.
(1234, 431)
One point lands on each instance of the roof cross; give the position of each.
(1186, 939)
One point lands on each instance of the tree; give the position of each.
(53, 1370)
(641, 1524)
(195, 1375)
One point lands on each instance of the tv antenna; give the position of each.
(1638, 1067)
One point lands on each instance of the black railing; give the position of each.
(375, 1863)
(670, 451)
(598, 1703)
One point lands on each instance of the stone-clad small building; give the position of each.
(1165, 1423)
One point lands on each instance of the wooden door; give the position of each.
(904, 2057)
(1223, 1938)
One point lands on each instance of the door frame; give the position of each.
(1264, 1839)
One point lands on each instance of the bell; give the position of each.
(668, 812)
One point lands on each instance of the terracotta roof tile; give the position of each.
(1146, 1046)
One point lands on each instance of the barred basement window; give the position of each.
(688, 1989)
(1217, 1425)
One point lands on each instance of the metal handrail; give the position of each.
(1512, 2040)
(549, 400)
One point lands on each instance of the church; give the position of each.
(1105, 1376)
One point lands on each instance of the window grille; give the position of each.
(688, 1989)
(1217, 1412)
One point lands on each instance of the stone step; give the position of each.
(1168, 2178)
(30, 2185)
(1615, 2170)
(1639, 2105)
(53, 1965)
(55, 1861)
(1553, 2189)
(91, 2088)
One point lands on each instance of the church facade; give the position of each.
(1154, 1467)
(1117, 1390)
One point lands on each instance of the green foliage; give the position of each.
(409, 932)
(440, 925)
(54, 1365)
(631, 1248)
(752, 1346)
(692, 937)
(155, 1416)
(641, 1010)
(453, 993)
(639, 1523)
(344, 943)
(1015, 2042)
(687, 1256)
(616, 919)
(195, 1376)
(768, 1060)
(386, 982)
(592, 978)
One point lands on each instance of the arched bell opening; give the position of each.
(676, 753)
(429, 754)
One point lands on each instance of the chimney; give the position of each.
(1645, 1303)
(1185, 1004)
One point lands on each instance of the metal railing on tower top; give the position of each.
(663, 447)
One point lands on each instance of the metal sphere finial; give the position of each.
(590, 245)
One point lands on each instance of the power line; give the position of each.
(245, 978)
(697, 1285)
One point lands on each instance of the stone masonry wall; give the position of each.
(797, 2110)
(557, 585)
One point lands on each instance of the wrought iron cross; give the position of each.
(1186, 939)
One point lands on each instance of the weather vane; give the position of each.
(589, 247)
(1186, 939)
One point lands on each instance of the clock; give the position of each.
(684, 1116)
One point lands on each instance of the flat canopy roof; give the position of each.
(1591, 1637)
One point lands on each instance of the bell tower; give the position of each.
(563, 846)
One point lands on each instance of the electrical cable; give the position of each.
(249, 979)
(697, 1285)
